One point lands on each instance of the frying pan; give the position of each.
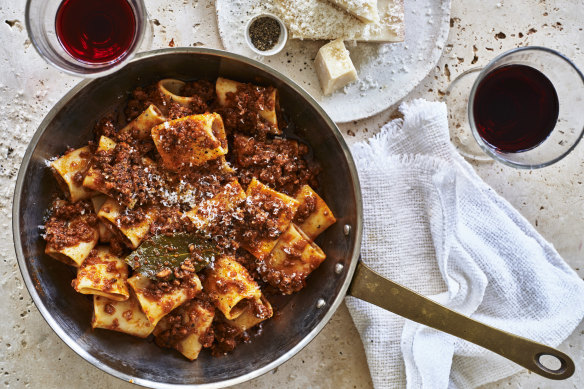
(302, 315)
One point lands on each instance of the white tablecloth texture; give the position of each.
(431, 224)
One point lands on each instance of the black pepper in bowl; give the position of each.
(264, 33)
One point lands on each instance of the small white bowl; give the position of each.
(281, 40)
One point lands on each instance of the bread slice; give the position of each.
(320, 19)
(364, 10)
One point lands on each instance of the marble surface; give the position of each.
(32, 356)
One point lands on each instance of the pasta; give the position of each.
(171, 89)
(210, 210)
(313, 216)
(293, 258)
(103, 274)
(187, 329)
(190, 141)
(122, 316)
(266, 102)
(282, 209)
(140, 127)
(156, 303)
(71, 233)
(94, 178)
(69, 171)
(230, 287)
(105, 235)
(188, 215)
(131, 233)
(252, 314)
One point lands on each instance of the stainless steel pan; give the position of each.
(301, 317)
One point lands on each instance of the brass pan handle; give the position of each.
(375, 289)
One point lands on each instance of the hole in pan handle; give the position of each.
(375, 289)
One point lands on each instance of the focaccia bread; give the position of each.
(320, 19)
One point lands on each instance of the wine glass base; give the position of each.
(456, 99)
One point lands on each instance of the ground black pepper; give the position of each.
(264, 33)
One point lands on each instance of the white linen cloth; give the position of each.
(431, 224)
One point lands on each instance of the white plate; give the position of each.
(387, 72)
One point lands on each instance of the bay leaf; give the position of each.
(169, 252)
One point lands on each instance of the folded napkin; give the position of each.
(431, 224)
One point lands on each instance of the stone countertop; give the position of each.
(31, 355)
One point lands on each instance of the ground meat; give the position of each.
(206, 339)
(140, 100)
(286, 282)
(105, 127)
(226, 338)
(187, 320)
(125, 175)
(87, 271)
(202, 94)
(109, 309)
(277, 163)
(202, 88)
(251, 264)
(134, 139)
(261, 218)
(128, 315)
(117, 246)
(241, 111)
(78, 178)
(109, 284)
(294, 252)
(170, 221)
(201, 91)
(305, 209)
(70, 224)
(132, 217)
(176, 111)
(245, 259)
(178, 141)
(290, 274)
(260, 310)
(182, 278)
(225, 229)
(206, 179)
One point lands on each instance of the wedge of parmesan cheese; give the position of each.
(320, 19)
(334, 66)
(364, 10)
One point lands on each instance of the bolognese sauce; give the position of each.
(213, 199)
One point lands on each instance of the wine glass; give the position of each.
(87, 38)
(523, 109)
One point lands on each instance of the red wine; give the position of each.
(515, 108)
(96, 31)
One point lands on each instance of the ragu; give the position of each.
(161, 176)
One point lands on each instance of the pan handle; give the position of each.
(375, 289)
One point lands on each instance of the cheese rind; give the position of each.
(334, 67)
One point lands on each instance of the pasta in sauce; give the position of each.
(189, 159)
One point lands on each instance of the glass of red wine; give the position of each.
(524, 109)
(88, 38)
